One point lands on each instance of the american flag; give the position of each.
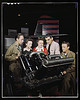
(50, 25)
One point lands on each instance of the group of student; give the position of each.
(52, 47)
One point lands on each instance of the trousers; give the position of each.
(68, 84)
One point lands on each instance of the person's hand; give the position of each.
(64, 72)
(18, 55)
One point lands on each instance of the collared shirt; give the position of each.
(69, 54)
(54, 48)
(12, 52)
(49, 49)
(39, 49)
(65, 55)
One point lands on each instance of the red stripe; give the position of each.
(44, 16)
(50, 26)
(48, 21)
(54, 31)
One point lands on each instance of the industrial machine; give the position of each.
(41, 72)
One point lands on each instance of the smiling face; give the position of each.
(40, 43)
(65, 48)
(20, 40)
(29, 44)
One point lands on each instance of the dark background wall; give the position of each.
(29, 13)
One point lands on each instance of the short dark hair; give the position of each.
(18, 35)
(29, 39)
(40, 39)
(65, 42)
(48, 35)
(24, 44)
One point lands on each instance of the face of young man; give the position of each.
(65, 48)
(20, 40)
(40, 43)
(29, 44)
(48, 40)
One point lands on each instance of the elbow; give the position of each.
(5, 56)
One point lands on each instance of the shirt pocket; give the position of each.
(16, 51)
(51, 51)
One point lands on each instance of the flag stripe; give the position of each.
(48, 21)
(50, 26)
(49, 31)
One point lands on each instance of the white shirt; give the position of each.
(39, 49)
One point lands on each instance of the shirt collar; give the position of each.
(39, 49)
(16, 44)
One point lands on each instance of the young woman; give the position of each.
(27, 49)
(40, 47)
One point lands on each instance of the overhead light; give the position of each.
(19, 14)
(15, 3)
(18, 3)
(8, 3)
(11, 3)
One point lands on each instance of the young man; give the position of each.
(68, 83)
(12, 55)
(52, 46)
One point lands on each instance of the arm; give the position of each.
(57, 49)
(33, 50)
(11, 55)
(71, 67)
(46, 51)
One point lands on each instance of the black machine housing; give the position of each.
(39, 70)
